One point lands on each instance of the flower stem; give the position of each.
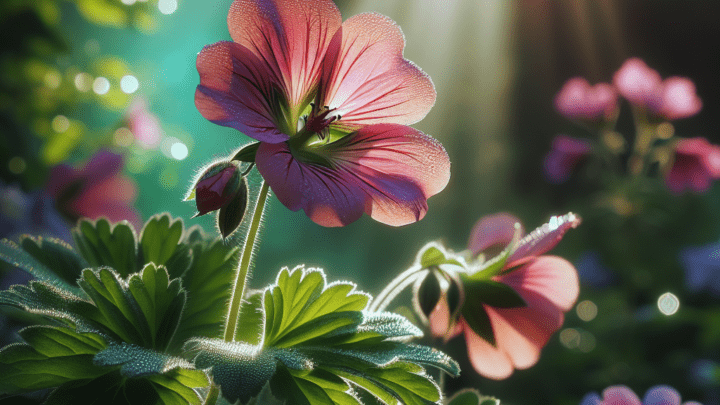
(395, 287)
(239, 289)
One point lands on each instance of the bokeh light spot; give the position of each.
(53, 79)
(123, 137)
(60, 124)
(570, 338)
(83, 82)
(665, 130)
(17, 165)
(587, 342)
(586, 310)
(668, 303)
(178, 150)
(101, 85)
(129, 84)
(167, 6)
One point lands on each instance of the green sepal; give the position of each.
(433, 254)
(494, 294)
(103, 244)
(478, 320)
(494, 266)
(247, 153)
(471, 397)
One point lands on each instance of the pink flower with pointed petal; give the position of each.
(622, 395)
(697, 163)
(548, 285)
(329, 102)
(96, 190)
(577, 100)
(565, 153)
(671, 99)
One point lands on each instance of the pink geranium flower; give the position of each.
(671, 99)
(329, 102)
(697, 163)
(622, 395)
(578, 100)
(565, 153)
(548, 285)
(95, 190)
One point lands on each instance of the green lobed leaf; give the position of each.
(160, 238)
(52, 356)
(318, 345)
(144, 310)
(57, 255)
(103, 244)
(471, 397)
(14, 255)
(208, 283)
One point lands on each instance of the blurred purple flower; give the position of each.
(144, 125)
(578, 100)
(565, 153)
(671, 99)
(697, 163)
(702, 267)
(96, 190)
(621, 395)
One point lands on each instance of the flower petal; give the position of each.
(591, 399)
(290, 36)
(678, 99)
(549, 277)
(637, 82)
(491, 230)
(366, 78)
(542, 239)
(487, 360)
(439, 320)
(661, 395)
(386, 171)
(620, 395)
(236, 91)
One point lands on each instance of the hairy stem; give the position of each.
(395, 287)
(239, 289)
(212, 395)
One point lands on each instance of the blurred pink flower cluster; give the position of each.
(696, 162)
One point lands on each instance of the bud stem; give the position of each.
(231, 320)
(395, 287)
(239, 289)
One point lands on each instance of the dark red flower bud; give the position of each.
(219, 185)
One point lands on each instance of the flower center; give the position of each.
(320, 119)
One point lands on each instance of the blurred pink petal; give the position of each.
(387, 171)
(620, 395)
(492, 230)
(661, 395)
(696, 164)
(578, 100)
(677, 99)
(144, 126)
(671, 99)
(543, 238)
(565, 153)
(637, 82)
(96, 190)
(289, 36)
(367, 80)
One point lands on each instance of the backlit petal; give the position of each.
(237, 91)
(289, 36)
(620, 395)
(542, 239)
(386, 171)
(439, 320)
(492, 230)
(549, 277)
(661, 395)
(366, 78)
(488, 361)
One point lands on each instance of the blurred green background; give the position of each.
(497, 66)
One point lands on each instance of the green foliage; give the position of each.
(432, 255)
(471, 397)
(104, 244)
(318, 344)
